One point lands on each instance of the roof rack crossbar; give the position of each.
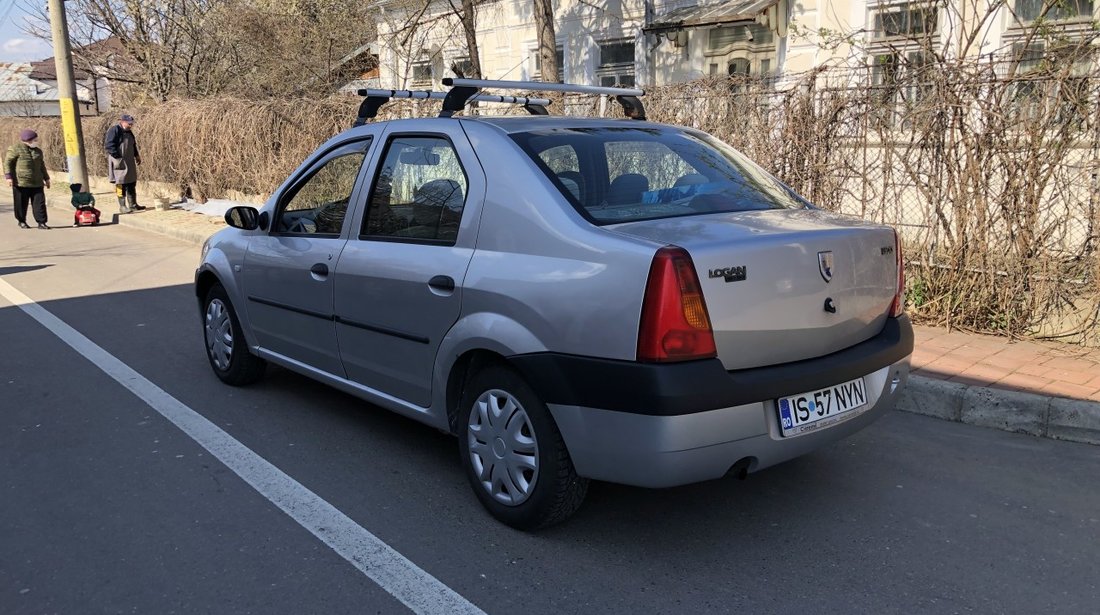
(541, 86)
(376, 98)
(628, 98)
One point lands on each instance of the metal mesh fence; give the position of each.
(990, 175)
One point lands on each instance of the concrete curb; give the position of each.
(1027, 413)
(190, 235)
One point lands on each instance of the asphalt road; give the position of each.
(106, 507)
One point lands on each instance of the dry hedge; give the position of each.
(992, 184)
(209, 146)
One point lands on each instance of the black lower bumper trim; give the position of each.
(672, 389)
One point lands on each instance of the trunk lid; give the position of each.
(763, 279)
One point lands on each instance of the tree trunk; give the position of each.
(547, 40)
(469, 25)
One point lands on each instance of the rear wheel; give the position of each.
(225, 346)
(513, 453)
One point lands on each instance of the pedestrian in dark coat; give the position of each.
(123, 159)
(25, 171)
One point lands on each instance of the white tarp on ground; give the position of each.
(214, 207)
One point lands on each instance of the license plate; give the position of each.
(816, 409)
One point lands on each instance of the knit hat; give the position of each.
(27, 135)
(126, 117)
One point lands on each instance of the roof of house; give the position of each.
(46, 70)
(104, 53)
(18, 83)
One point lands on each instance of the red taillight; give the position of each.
(898, 306)
(675, 325)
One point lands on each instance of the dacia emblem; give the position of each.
(825, 265)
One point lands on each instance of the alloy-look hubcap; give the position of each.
(502, 447)
(219, 334)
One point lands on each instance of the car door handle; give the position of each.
(319, 270)
(442, 284)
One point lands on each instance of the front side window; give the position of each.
(620, 174)
(419, 193)
(319, 204)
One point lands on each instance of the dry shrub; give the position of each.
(209, 146)
(991, 179)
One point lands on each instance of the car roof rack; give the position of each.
(463, 90)
(375, 99)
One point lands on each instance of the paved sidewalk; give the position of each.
(178, 223)
(1045, 389)
(1049, 368)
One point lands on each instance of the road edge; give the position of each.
(1057, 418)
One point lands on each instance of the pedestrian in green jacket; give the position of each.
(25, 171)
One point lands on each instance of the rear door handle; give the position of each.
(319, 270)
(442, 283)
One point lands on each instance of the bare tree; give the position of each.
(195, 48)
(547, 40)
(467, 16)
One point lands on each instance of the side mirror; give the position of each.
(243, 217)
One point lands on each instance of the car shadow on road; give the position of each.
(22, 269)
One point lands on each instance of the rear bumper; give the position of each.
(666, 451)
(672, 389)
(661, 425)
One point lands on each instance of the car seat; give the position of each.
(690, 180)
(627, 188)
(574, 183)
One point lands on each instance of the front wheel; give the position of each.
(513, 453)
(225, 346)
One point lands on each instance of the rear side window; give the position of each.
(419, 193)
(624, 174)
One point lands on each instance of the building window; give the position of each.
(751, 34)
(1030, 10)
(739, 67)
(744, 50)
(896, 79)
(906, 21)
(422, 73)
(1040, 95)
(462, 67)
(616, 67)
(560, 52)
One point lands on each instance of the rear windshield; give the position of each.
(625, 174)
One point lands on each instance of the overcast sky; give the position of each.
(16, 45)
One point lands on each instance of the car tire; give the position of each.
(226, 348)
(513, 454)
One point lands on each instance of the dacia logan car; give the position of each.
(574, 298)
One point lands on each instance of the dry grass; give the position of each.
(991, 179)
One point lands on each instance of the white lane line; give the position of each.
(393, 572)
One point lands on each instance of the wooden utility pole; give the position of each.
(66, 95)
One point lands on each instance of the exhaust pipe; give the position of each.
(741, 468)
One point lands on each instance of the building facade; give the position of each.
(658, 42)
